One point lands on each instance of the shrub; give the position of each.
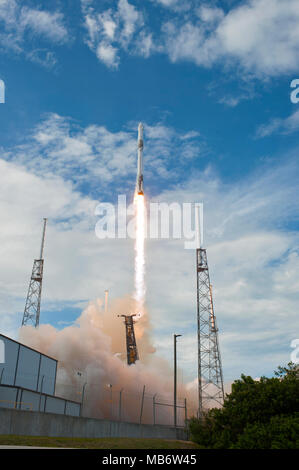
(267, 407)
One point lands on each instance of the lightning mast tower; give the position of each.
(32, 306)
(210, 377)
(132, 353)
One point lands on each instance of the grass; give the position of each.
(95, 443)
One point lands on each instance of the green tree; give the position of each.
(251, 403)
(282, 432)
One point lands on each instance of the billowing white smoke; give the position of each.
(93, 351)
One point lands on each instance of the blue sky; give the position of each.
(211, 82)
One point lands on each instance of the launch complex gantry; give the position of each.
(132, 353)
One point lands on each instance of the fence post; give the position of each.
(41, 391)
(154, 408)
(186, 411)
(111, 398)
(142, 401)
(110, 421)
(119, 410)
(1, 375)
(82, 399)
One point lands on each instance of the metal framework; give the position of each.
(32, 305)
(210, 377)
(132, 353)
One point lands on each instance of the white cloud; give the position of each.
(144, 46)
(230, 101)
(21, 24)
(130, 18)
(167, 3)
(112, 30)
(44, 23)
(210, 14)
(42, 57)
(176, 5)
(107, 54)
(188, 42)
(108, 25)
(286, 280)
(58, 146)
(259, 35)
(283, 126)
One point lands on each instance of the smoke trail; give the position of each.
(140, 290)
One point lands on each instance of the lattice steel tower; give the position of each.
(32, 306)
(132, 353)
(210, 377)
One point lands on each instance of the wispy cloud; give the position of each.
(176, 5)
(232, 101)
(59, 146)
(21, 25)
(114, 29)
(286, 125)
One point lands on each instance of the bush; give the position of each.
(282, 432)
(266, 407)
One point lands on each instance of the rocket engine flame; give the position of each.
(140, 290)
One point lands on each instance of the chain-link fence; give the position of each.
(113, 402)
(120, 404)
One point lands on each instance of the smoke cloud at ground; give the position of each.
(93, 351)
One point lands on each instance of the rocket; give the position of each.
(139, 182)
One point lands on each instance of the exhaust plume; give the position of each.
(92, 351)
(139, 294)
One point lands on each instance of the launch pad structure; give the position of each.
(132, 352)
(210, 376)
(33, 300)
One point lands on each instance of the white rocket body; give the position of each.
(139, 182)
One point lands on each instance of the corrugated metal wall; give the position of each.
(22, 399)
(27, 368)
(28, 379)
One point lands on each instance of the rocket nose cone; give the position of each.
(140, 132)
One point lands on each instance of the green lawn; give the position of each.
(100, 443)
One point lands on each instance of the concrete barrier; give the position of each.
(33, 423)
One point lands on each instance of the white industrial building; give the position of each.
(28, 380)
